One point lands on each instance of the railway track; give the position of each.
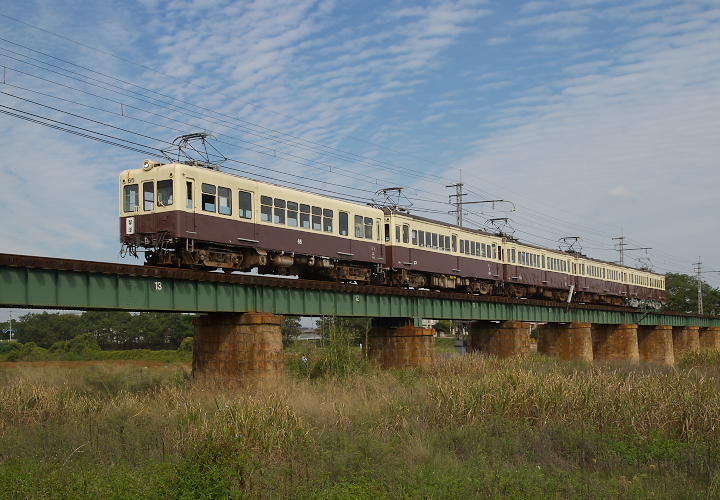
(52, 263)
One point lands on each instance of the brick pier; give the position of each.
(569, 341)
(238, 348)
(396, 343)
(503, 339)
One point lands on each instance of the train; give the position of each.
(190, 216)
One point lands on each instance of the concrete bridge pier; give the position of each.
(615, 343)
(655, 344)
(710, 337)
(685, 339)
(238, 348)
(503, 339)
(568, 341)
(397, 343)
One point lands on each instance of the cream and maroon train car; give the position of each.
(188, 216)
(423, 252)
(198, 217)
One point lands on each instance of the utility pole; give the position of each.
(698, 270)
(621, 247)
(458, 202)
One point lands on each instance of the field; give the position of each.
(469, 427)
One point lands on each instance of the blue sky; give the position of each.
(596, 118)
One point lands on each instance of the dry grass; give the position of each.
(110, 414)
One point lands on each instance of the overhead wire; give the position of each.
(130, 106)
(272, 138)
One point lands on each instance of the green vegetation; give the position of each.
(84, 347)
(469, 427)
(682, 294)
(111, 330)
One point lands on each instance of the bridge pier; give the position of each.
(685, 339)
(503, 339)
(615, 343)
(569, 341)
(710, 337)
(395, 343)
(238, 348)
(655, 344)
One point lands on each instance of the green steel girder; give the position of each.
(86, 290)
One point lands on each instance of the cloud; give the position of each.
(619, 191)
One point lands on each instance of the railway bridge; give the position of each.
(237, 335)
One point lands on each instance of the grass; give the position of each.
(469, 427)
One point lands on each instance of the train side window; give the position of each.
(368, 228)
(292, 213)
(245, 204)
(224, 201)
(397, 234)
(474, 248)
(442, 243)
(454, 243)
(414, 237)
(512, 255)
(279, 213)
(265, 208)
(405, 233)
(435, 241)
(305, 216)
(344, 223)
(317, 218)
(189, 195)
(327, 220)
(165, 193)
(358, 226)
(130, 197)
(387, 232)
(208, 197)
(421, 238)
(148, 195)
(462, 246)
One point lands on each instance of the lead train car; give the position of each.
(194, 217)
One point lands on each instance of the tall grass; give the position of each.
(470, 426)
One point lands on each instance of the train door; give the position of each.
(190, 204)
(247, 228)
(380, 239)
(345, 230)
(456, 255)
(149, 224)
(501, 263)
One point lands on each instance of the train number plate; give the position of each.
(130, 225)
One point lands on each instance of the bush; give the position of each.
(337, 357)
(9, 347)
(186, 345)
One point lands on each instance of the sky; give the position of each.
(594, 118)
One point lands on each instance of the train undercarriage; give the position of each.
(189, 254)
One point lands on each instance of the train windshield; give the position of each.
(165, 193)
(130, 197)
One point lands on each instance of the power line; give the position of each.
(271, 135)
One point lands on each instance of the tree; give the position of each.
(682, 294)
(445, 326)
(356, 327)
(290, 329)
